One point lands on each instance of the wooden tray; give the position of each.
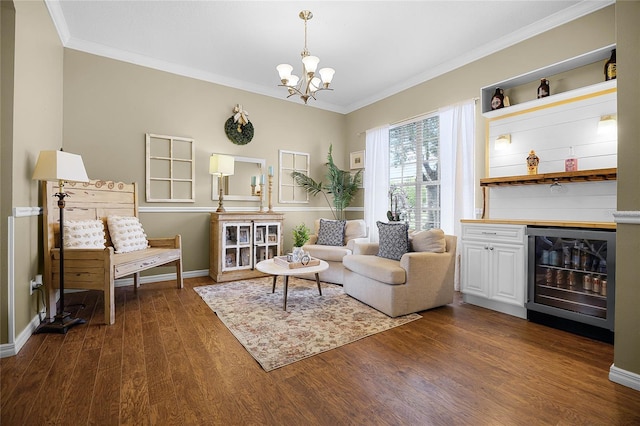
(282, 261)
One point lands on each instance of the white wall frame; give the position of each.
(170, 169)
(288, 191)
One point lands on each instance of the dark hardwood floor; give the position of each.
(169, 360)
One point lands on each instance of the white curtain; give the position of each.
(376, 179)
(457, 140)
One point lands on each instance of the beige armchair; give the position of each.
(354, 231)
(417, 282)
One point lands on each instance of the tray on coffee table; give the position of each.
(282, 261)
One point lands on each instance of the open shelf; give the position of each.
(549, 178)
(601, 54)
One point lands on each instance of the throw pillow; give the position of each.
(331, 232)
(127, 234)
(393, 239)
(83, 234)
(431, 241)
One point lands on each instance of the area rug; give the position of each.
(311, 325)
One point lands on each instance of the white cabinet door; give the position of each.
(475, 269)
(507, 278)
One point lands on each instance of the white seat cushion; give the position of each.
(328, 253)
(378, 268)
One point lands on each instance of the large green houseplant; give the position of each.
(341, 184)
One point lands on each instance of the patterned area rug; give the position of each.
(311, 325)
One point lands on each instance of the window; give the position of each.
(414, 171)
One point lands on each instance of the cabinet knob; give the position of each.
(486, 247)
(490, 248)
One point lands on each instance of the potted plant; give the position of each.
(300, 237)
(342, 185)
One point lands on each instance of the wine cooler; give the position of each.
(572, 277)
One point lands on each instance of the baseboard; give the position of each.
(624, 377)
(161, 277)
(11, 349)
(505, 308)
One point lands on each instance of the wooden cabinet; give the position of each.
(493, 272)
(238, 241)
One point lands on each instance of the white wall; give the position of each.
(550, 126)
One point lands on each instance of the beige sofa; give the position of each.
(418, 281)
(355, 231)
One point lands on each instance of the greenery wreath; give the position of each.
(238, 133)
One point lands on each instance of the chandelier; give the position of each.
(309, 84)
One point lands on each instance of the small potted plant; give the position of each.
(300, 237)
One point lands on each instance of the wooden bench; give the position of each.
(96, 269)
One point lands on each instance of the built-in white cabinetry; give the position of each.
(493, 269)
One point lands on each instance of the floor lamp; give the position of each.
(62, 167)
(221, 165)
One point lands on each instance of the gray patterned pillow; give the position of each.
(331, 232)
(394, 239)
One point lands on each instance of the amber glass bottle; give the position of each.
(610, 67)
(543, 89)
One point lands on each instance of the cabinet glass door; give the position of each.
(237, 246)
(267, 241)
(572, 273)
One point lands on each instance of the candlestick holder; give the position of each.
(270, 193)
(260, 194)
(253, 190)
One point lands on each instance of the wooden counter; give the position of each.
(559, 223)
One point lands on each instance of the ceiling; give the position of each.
(378, 48)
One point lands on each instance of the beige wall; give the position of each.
(627, 332)
(110, 105)
(36, 125)
(7, 47)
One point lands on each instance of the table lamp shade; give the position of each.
(60, 166)
(221, 165)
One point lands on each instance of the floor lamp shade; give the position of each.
(60, 166)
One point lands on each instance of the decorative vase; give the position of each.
(297, 254)
(497, 100)
(532, 163)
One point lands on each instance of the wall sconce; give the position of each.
(502, 142)
(608, 125)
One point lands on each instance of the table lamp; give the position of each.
(221, 165)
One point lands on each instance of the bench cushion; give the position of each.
(140, 260)
(387, 271)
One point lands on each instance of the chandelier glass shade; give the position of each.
(310, 83)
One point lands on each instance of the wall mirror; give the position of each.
(238, 186)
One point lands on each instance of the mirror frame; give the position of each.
(261, 165)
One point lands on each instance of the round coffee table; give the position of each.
(270, 267)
